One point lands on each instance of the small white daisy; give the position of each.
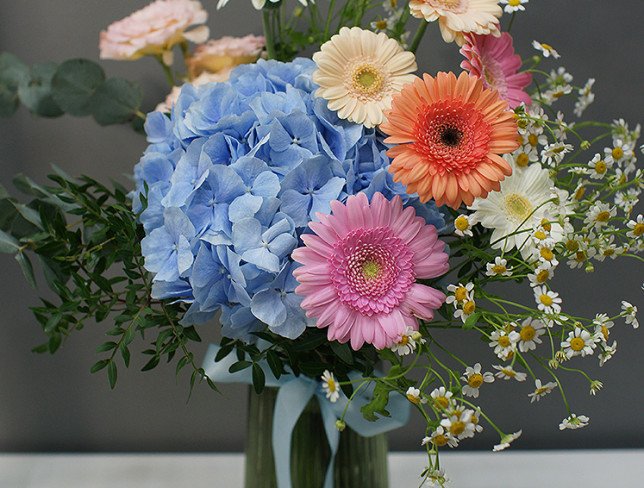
(512, 6)
(602, 325)
(441, 437)
(586, 97)
(548, 301)
(600, 214)
(460, 293)
(475, 379)
(441, 397)
(607, 352)
(508, 373)
(407, 342)
(580, 342)
(460, 426)
(499, 267)
(598, 167)
(541, 390)
(506, 440)
(468, 308)
(531, 330)
(619, 153)
(330, 386)
(554, 153)
(413, 395)
(636, 227)
(546, 49)
(541, 275)
(463, 225)
(435, 478)
(630, 312)
(574, 422)
(504, 343)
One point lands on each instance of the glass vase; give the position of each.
(361, 462)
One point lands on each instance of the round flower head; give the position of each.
(359, 71)
(494, 61)
(458, 17)
(154, 29)
(449, 133)
(360, 268)
(224, 54)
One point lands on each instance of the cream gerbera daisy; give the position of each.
(522, 200)
(458, 17)
(359, 71)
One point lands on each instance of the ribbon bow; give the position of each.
(292, 397)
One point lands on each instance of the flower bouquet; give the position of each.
(333, 214)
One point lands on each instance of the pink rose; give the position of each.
(225, 53)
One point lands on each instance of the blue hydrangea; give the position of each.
(231, 179)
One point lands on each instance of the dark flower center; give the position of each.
(451, 136)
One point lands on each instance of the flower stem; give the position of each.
(418, 36)
(167, 70)
(268, 34)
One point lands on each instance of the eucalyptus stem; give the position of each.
(418, 36)
(268, 34)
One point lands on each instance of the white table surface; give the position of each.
(518, 469)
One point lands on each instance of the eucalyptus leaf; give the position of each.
(9, 101)
(13, 72)
(115, 101)
(27, 268)
(8, 244)
(74, 84)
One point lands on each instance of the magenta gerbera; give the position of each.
(494, 61)
(360, 269)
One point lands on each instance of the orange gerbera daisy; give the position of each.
(450, 133)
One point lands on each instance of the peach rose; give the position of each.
(225, 53)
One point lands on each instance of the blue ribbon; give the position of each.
(293, 395)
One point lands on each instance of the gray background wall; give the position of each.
(54, 404)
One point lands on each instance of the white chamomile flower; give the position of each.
(464, 313)
(626, 200)
(330, 386)
(460, 293)
(504, 343)
(435, 478)
(586, 97)
(499, 267)
(602, 324)
(508, 373)
(619, 153)
(580, 342)
(595, 386)
(607, 352)
(606, 248)
(574, 422)
(630, 312)
(541, 390)
(636, 227)
(600, 214)
(598, 167)
(475, 379)
(441, 397)
(535, 138)
(545, 253)
(541, 275)
(506, 440)
(529, 335)
(546, 49)
(463, 225)
(554, 153)
(512, 6)
(413, 395)
(407, 342)
(548, 301)
(441, 437)
(460, 425)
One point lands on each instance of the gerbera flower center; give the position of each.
(450, 135)
(577, 344)
(367, 81)
(453, 5)
(372, 270)
(527, 333)
(518, 206)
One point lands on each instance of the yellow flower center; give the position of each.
(504, 341)
(545, 223)
(542, 276)
(618, 153)
(475, 380)
(608, 251)
(413, 399)
(518, 206)
(469, 308)
(546, 254)
(527, 333)
(457, 428)
(514, 3)
(603, 216)
(381, 24)
(577, 344)
(533, 140)
(442, 401)
(522, 160)
(541, 391)
(580, 256)
(460, 293)
(461, 223)
(638, 230)
(572, 245)
(367, 80)
(547, 47)
(579, 194)
(600, 167)
(439, 440)
(404, 340)
(370, 270)
(546, 300)
(541, 235)
(499, 269)
(331, 385)
(509, 372)
(605, 332)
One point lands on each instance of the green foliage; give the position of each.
(77, 87)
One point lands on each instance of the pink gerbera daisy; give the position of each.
(494, 61)
(360, 268)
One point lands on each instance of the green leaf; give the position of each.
(27, 268)
(35, 93)
(273, 360)
(108, 346)
(8, 243)
(115, 101)
(12, 71)
(99, 365)
(9, 101)
(112, 374)
(377, 404)
(259, 379)
(472, 321)
(343, 351)
(74, 84)
(29, 214)
(238, 366)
